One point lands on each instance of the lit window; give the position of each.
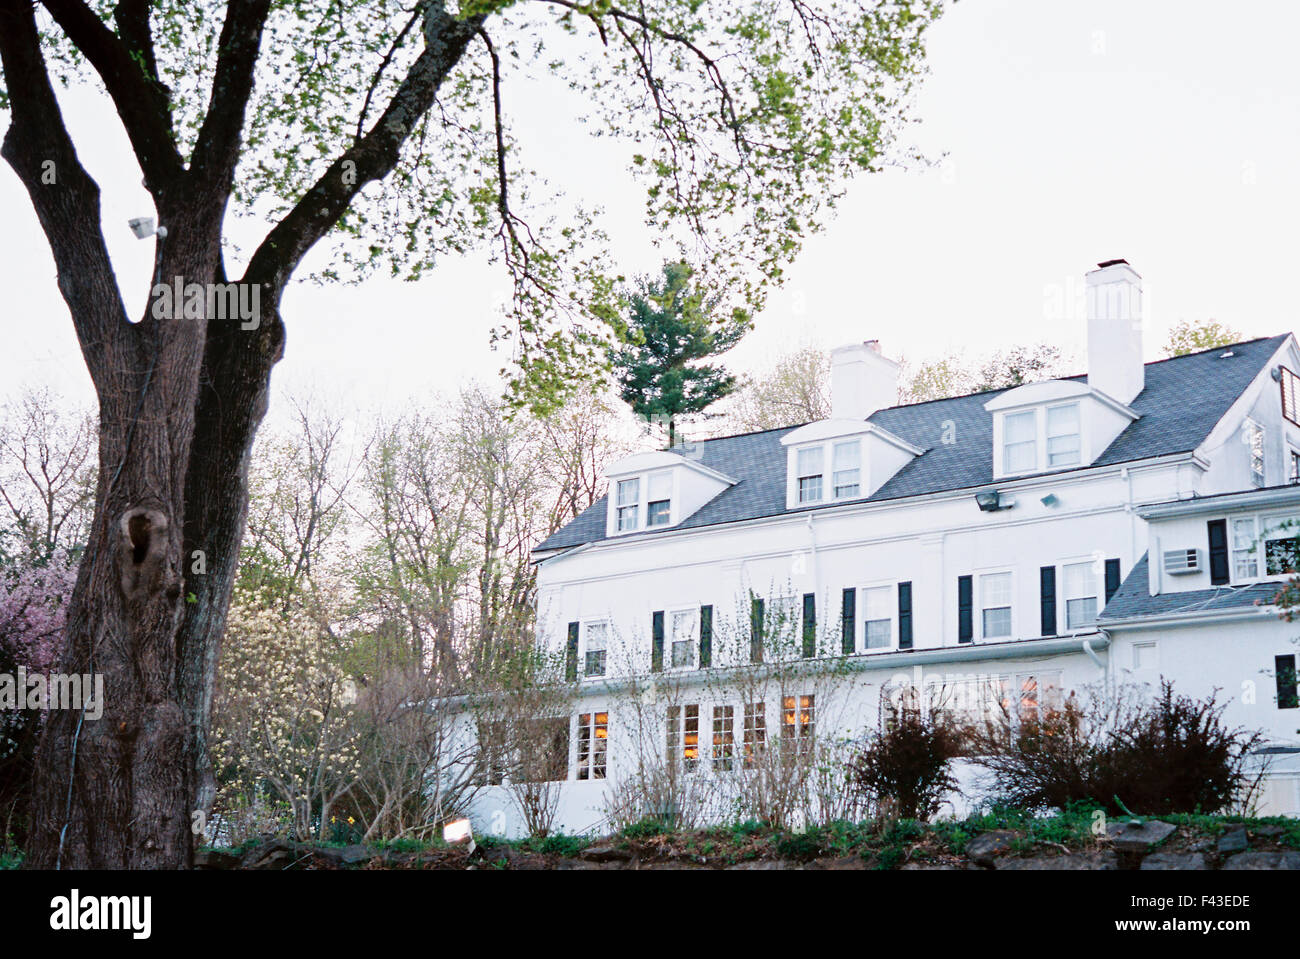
(593, 743)
(597, 635)
(878, 616)
(810, 466)
(1019, 442)
(1063, 435)
(798, 721)
(755, 733)
(995, 605)
(1255, 440)
(1245, 559)
(683, 638)
(684, 736)
(1080, 582)
(724, 739)
(847, 462)
(1040, 696)
(659, 494)
(628, 503)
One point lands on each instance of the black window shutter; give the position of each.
(1218, 530)
(571, 655)
(965, 614)
(657, 640)
(1047, 600)
(809, 624)
(904, 615)
(848, 616)
(1288, 696)
(756, 631)
(706, 636)
(1112, 578)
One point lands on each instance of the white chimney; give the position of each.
(1115, 330)
(863, 380)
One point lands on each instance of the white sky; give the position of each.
(1074, 132)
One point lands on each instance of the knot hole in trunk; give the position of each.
(143, 546)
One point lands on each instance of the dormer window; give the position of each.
(810, 462)
(847, 469)
(628, 503)
(1020, 442)
(1063, 435)
(658, 507)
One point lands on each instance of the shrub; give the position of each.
(906, 769)
(1156, 755)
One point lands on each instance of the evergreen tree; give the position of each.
(671, 329)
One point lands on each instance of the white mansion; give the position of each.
(1111, 529)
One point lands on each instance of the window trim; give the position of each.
(620, 507)
(692, 642)
(819, 475)
(1263, 522)
(588, 773)
(860, 620)
(977, 604)
(583, 649)
(1063, 596)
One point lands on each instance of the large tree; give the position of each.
(741, 117)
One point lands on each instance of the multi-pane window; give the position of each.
(798, 721)
(683, 638)
(847, 467)
(1281, 545)
(1040, 695)
(1019, 442)
(628, 503)
(724, 737)
(1063, 435)
(995, 605)
(1081, 594)
(810, 468)
(684, 736)
(1245, 558)
(1289, 384)
(597, 639)
(1255, 440)
(877, 617)
(659, 492)
(593, 744)
(755, 733)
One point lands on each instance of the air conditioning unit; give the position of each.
(1179, 561)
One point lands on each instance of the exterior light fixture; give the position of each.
(1051, 499)
(143, 227)
(990, 501)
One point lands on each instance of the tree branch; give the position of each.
(64, 196)
(142, 102)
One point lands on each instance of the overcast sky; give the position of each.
(1165, 133)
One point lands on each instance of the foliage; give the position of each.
(1155, 754)
(1189, 336)
(796, 390)
(906, 768)
(672, 329)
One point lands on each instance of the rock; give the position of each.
(763, 865)
(278, 854)
(605, 851)
(988, 846)
(1234, 840)
(1263, 860)
(1128, 837)
(931, 866)
(1268, 832)
(355, 854)
(1089, 861)
(215, 859)
(1173, 860)
(839, 865)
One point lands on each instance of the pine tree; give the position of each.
(671, 329)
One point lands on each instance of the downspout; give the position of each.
(812, 543)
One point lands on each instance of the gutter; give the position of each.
(1191, 617)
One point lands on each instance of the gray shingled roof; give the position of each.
(1133, 599)
(1182, 401)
